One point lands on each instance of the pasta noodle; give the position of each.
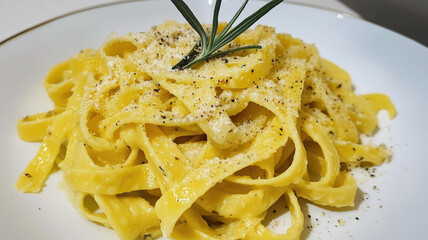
(201, 153)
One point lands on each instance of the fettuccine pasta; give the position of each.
(201, 153)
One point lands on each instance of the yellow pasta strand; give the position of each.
(201, 153)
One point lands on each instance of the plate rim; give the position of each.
(109, 4)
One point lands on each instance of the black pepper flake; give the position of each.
(147, 236)
(27, 175)
(339, 86)
(252, 70)
(162, 170)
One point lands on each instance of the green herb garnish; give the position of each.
(206, 47)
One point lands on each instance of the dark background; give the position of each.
(408, 17)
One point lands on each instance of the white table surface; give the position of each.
(19, 15)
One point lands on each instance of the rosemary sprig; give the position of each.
(206, 46)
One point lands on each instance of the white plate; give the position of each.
(378, 60)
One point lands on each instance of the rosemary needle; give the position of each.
(206, 46)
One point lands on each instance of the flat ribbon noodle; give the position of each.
(201, 153)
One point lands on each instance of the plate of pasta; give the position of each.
(138, 125)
